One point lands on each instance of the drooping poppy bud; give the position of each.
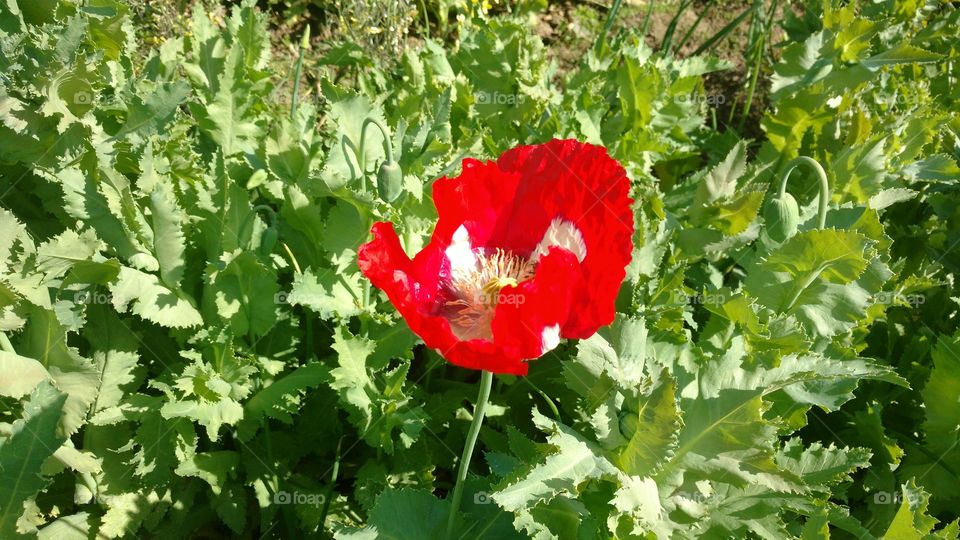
(389, 181)
(268, 241)
(782, 216)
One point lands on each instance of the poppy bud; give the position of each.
(782, 216)
(268, 241)
(389, 181)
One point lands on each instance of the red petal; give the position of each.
(524, 311)
(412, 288)
(476, 199)
(509, 204)
(580, 183)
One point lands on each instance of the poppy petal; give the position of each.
(529, 315)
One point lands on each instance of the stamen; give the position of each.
(477, 290)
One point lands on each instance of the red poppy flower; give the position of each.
(527, 250)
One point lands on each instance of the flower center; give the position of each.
(478, 275)
(475, 290)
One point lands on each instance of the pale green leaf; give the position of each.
(32, 439)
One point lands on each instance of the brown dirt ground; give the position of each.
(567, 27)
(570, 27)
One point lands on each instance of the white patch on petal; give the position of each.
(460, 252)
(550, 338)
(564, 234)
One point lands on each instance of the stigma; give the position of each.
(478, 276)
(475, 290)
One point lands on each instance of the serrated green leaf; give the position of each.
(32, 439)
(572, 462)
(391, 517)
(45, 340)
(901, 54)
(20, 374)
(330, 294)
(143, 294)
(658, 424)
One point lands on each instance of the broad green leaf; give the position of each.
(854, 39)
(32, 439)
(820, 467)
(402, 514)
(212, 467)
(330, 294)
(45, 340)
(721, 181)
(282, 397)
(169, 243)
(858, 170)
(150, 114)
(125, 512)
(227, 117)
(557, 518)
(638, 499)
(248, 27)
(658, 423)
(901, 54)
(143, 294)
(20, 374)
(936, 168)
(78, 460)
(73, 527)
(376, 404)
(115, 353)
(572, 461)
(911, 520)
(244, 294)
(812, 276)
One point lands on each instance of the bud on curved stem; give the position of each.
(358, 152)
(389, 181)
(270, 234)
(782, 214)
(824, 185)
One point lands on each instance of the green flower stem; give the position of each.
(611, 16)
(486, 382)
(333, 481)
(387, 149)
(550, 403)
(824, 186)
(304, 45)
(358, 152)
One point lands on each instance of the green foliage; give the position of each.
(188, 348)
